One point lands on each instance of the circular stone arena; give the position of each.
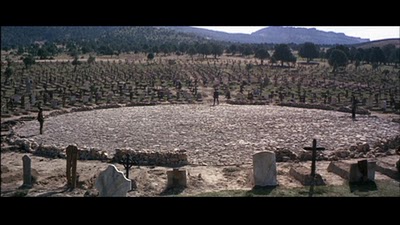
(225, 134)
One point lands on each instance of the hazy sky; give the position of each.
(373, 33)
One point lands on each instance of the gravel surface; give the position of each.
(225, 134)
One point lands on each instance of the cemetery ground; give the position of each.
(203, 181)
(219, 164)
(165, 106)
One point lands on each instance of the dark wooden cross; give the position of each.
(127, 162)
(314, 156)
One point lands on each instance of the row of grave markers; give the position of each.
(53, 78)
(113, 183)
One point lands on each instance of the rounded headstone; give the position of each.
(264, 169)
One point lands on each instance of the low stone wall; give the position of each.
(132, 104)
(359, 110)
(82, 109)
(247, 102)
(307, 106)
(153, 158)
(51, 151)
(285, 155)
(57, 113)
(108, 106)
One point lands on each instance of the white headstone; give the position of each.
(54, 103)
(86, 85)
(370, 102)
(85, 98)
(264, 169)
(72, 98)
(383, 105)
(17, 98)
(33, 97)
(27, 105)
(112, 183)
(28, 85)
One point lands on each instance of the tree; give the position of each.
(75, 62)
(91, 59)
(20, 50)
(150, 56)
(387, 51)
(272, 60)
(262, 54)
(376, 55)
(233, 49)
(357, 63)
(343, 48)
(164, 48)
(395, 56)
(192, 51)
(283, 53)
(42, 53)
(9, 72)
(337, 59)
(204, 49)
(309, 50)
(353, 53)
(246, 50)
(216, 50)
(360, 55)
(86, 49)
(28, 61)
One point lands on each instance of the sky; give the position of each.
(373, 33)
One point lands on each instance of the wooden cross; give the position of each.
(314, 156)
(127, 162)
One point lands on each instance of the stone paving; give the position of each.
(221, 135)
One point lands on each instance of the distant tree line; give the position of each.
(47, 42)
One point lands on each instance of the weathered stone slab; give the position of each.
(112, 183)
(26, 163)
(264, 169)
(302, 174)
(387, 169)
(176, 178)
(351, 171)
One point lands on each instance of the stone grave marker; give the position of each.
(264, 169)
(72, 99)
(176, 178)
(33, 99)
(26, 163)
(72, 157)
(314, 150)
(388, 169)
(127, 162)
(85, 99)
(28, 85)
(54, 103)
(112, 183)
(383, 105)
(351, 171)
(27, 106)
(17, 98)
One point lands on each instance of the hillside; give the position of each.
(121, 38)
(379, 43)
(276, 35)
(133, 38)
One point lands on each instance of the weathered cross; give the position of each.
(127, 162)
(314, 156)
